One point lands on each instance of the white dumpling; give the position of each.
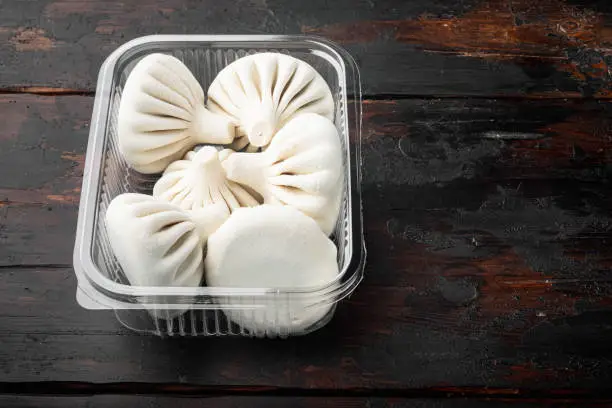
(157, 243)
(199, 181)
(279, 248)
(261, 92)
(302, 167)
(162, 115)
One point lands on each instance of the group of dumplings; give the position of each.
(254, 212)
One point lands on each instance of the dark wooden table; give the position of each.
(488, 211)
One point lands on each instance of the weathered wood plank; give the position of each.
(487, 225)
(417, 335)
(220, 402)
(42, 301)
(550, 48)
(551, 45)
(461, 162)
(42, 145)
(112, 401)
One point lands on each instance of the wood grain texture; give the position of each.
(42, 145)
(271, 402)
(552, 48)
(488, 220)
(382, 338)
(487, 224)
(222, 402)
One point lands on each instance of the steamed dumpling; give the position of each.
(301, 168)
(162, 115)
(199, 181)
(158, 244)
(280, 248)
(261, 92)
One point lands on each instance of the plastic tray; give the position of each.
(203, 311)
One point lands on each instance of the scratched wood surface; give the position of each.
(487, 224)
(488, 212)
(271, 402)
(548, 48)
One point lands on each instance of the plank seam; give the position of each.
(75, 388)
(45, 91)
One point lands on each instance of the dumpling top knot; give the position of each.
(199, 181)
(162, 115)
(302, 167)
(262, 92)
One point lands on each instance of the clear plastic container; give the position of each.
(206, 311)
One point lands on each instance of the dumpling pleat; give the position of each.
(184, 274)
(299, 82)
(308, 183)
(168, 94)
(286, 72)
(305, 162)
(234, 91)
(148, 123)
(248, 78)
(221, 102)
(267, 69)
(305, 103)
(179, 196)
(141, 209)
(293, 196)
(182, 87)
(244, 198)
(229, 198)
(171, 236)
(187, 245)
(152, 141)
(187, 80)
(162, 219)
(150, 104)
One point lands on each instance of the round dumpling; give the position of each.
(302, 167)
(157, 243)
(162, 115)
(280, 248)
(261, 92)
(199, 181)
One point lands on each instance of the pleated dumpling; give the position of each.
(157, 243)
(198, 181)
(302, 168)
(279, 248)
(162, 115)
(261, 92)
